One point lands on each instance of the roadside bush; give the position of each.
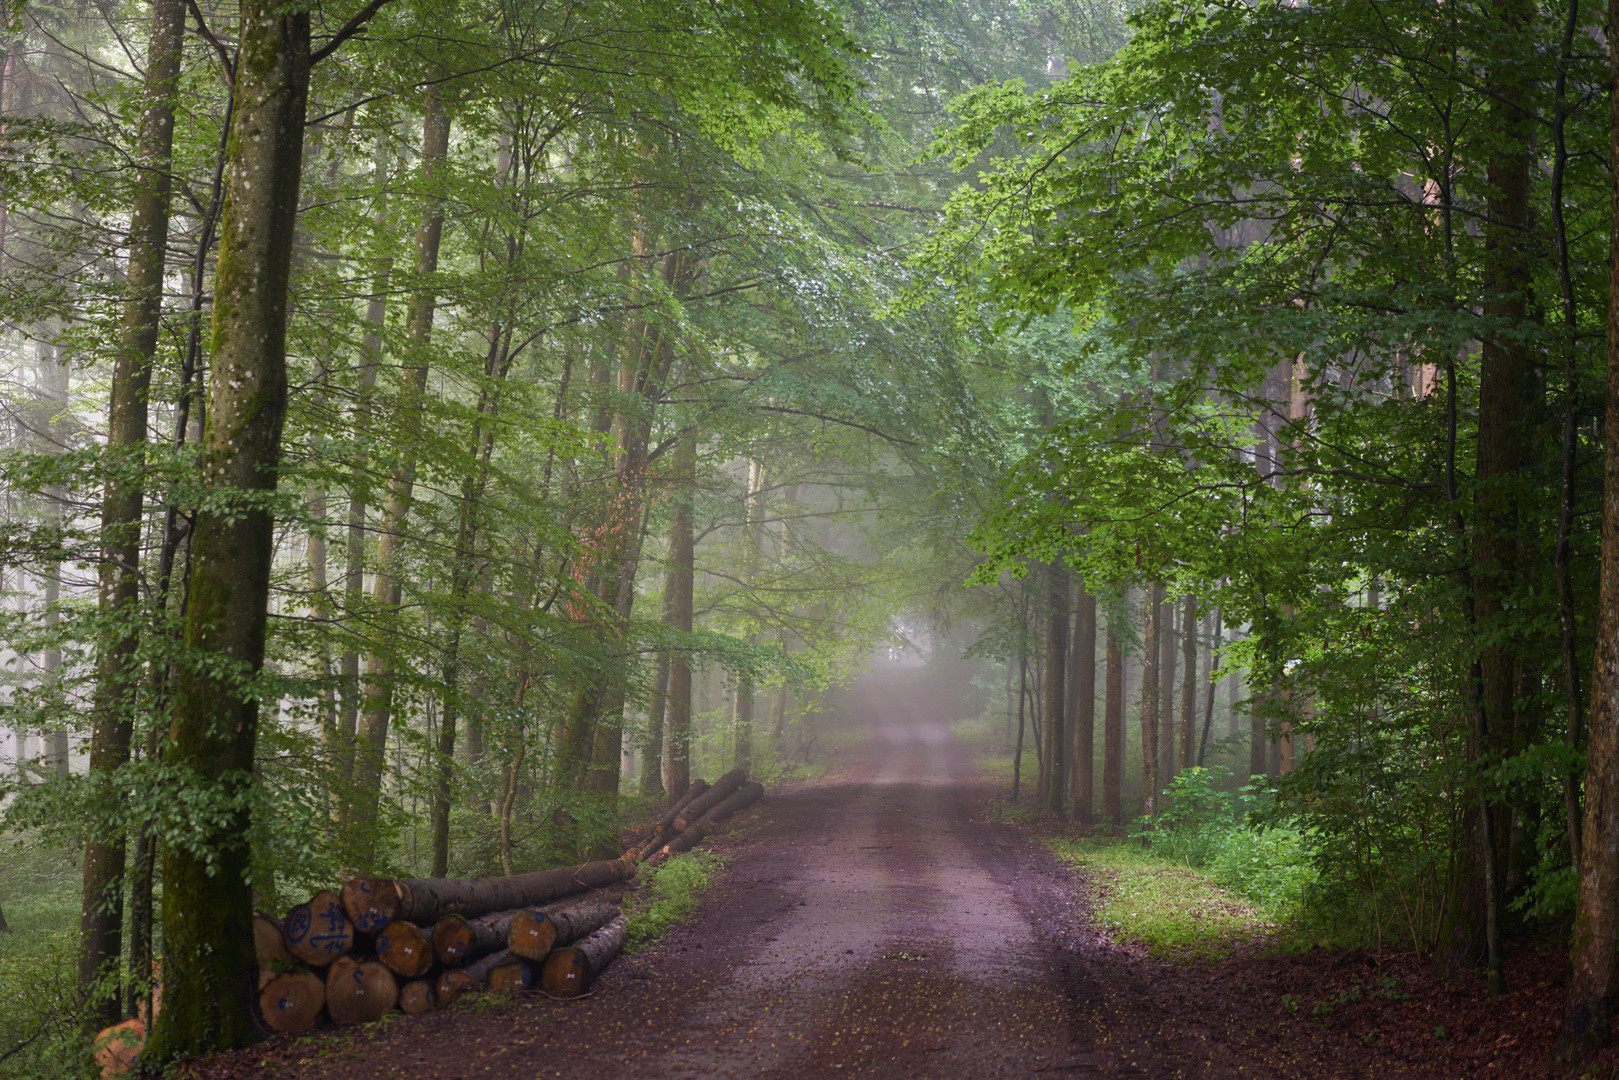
(1206, 826)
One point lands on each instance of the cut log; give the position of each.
(536, 931)
(115, 1047)
(417, 996)
(452, 984)
(370, 903)
(458, 941)
(478, 971)
(666, 824)
(425, 901)
(271, 947)
(359, 991)
(694, 790)
(511, 977)
(723, 788)
(750, 793)
(570, 971)
(293, 1001)
(405, 949)
(318, 932)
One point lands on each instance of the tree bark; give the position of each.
(208, 957)
(112, 711)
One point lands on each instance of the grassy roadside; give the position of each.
(670, 896)
(1176, 911)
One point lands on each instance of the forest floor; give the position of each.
(880, 921)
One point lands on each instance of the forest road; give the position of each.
(868, 926)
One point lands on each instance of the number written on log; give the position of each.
(326, 932)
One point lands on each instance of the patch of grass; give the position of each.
(672, 895)
(1172, 909)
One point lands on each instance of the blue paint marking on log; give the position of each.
(382, 944)
(298, 922)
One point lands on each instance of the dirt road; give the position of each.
(866, 927)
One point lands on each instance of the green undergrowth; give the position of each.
(39, 999)
(1172, 909)
(670, 895)
(1207, 874)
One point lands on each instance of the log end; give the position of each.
(359, 991)
(115, 1047)
(417, 996)
(531, 934)
(566, 973)
(452, 984)
(512, 977)
(371, 903)
(293, 1002)
(405, 948)
(318, 932)
(452, 940)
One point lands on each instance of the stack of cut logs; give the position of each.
(382, 943)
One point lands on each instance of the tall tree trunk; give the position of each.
(208, 962)
(1189, 742)
(682, 547)
(1017, 754)
(1168, 657)
(1113, 727)
(1056, 698)
(376, 312)
(753, 537)
(1507, 389)
(1084, 667)
(1562, 553)
(387, 590)
(1210, 686)
(1594, 945)
(657, 708)
(1153, 597)
(497, 364)
(117, 670)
